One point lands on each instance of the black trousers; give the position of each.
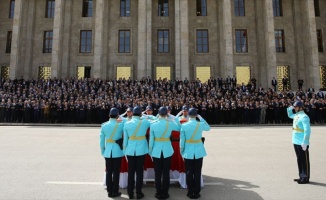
(135, 165)
(162, 168)
(193, 175)
(112, 168)
(303, 161)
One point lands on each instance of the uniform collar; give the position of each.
(113, 120)
(135, 117)
(192, 119)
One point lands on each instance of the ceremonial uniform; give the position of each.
(135, 147)
(111, 131)
(300, 139)
(192, 150)
(160, 148)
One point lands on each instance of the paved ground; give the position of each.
(245, 163)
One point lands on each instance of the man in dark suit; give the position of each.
(274, 83)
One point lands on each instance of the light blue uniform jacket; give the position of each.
(135, 147)
(301, 127)
(111, 149)
(156, 132)
(193, 150)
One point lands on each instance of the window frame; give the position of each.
(9, 40)
(12, 9)
(86, 41)
(162, 9)
(280, 49)
(124, 41)
(124, 8)
(87, 9)
(164, 39)
(202, 38)
(47, 41)
(278, 8)
(317, 8)
(50, 9)
(242, 31)
(238, 8)
(320, 41)
(200, 6)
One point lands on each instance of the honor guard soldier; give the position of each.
(135, 147)
(192, 150)
(185, 116)
(129, 115)
(149, 114)
(300, 139)
(111, 131)
(160, 148)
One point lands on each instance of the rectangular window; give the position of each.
(12, 9)
(124, 41)
(50, 6)
(239, 7)
(201, 8)
(317, 10)
(279, 41)
(163, 8)
(202, 41)
(277, 8)
(85, 41)
(47, 41)
(163, 41)
(9, 38)
(241, 41)
(87, 8)
(320, 41)
(124, 8)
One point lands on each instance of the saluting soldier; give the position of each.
(135, 147)
(300, 139)
(111, 131)
(160, 148)
(185, 116)
(192, 150)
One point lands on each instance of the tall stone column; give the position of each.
(181, 40)
(57, 43)
(310, 44)
(149, 38)
(100, 40)
(66, 34)
(142, 39)
(226, 42)
(16, 42)
(270, 49)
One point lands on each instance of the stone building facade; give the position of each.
(174, 39)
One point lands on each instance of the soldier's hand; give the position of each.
(304, 147)
(291, 107)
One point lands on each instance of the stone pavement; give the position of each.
(245, 163)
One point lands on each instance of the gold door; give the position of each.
(44, 72)
(323, 76)
(203, 73)
(163, 72)
(4, 72)
(243, 74)
(123, 72)
(81, 72)
(283, 72)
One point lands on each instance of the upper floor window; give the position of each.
(277, 8)
(202, 41)
(279, 41)
(9, 38)
(124, 41)
(163, 41)
(124, 8)
(50, 6)
(12, 9)
(201, 7)
(317, 10)
(239, 7)
(163, 8)
(241, 40)
(87, 8)
(85, 41)
(320, 41)
(47, 41)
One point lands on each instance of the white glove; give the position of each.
(291, 107)
(200, 117)
(304, 147)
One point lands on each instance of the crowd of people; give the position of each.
(89, 100)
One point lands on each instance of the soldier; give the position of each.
(300, 139)
(111, 131)
(160, 148)
(192, 150)
(185, 116)
(149, 114)
(135, 147)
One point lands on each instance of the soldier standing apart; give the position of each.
(192, 150)
(300, 138)
(160, 148)
(135, 147)
(110, 132)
